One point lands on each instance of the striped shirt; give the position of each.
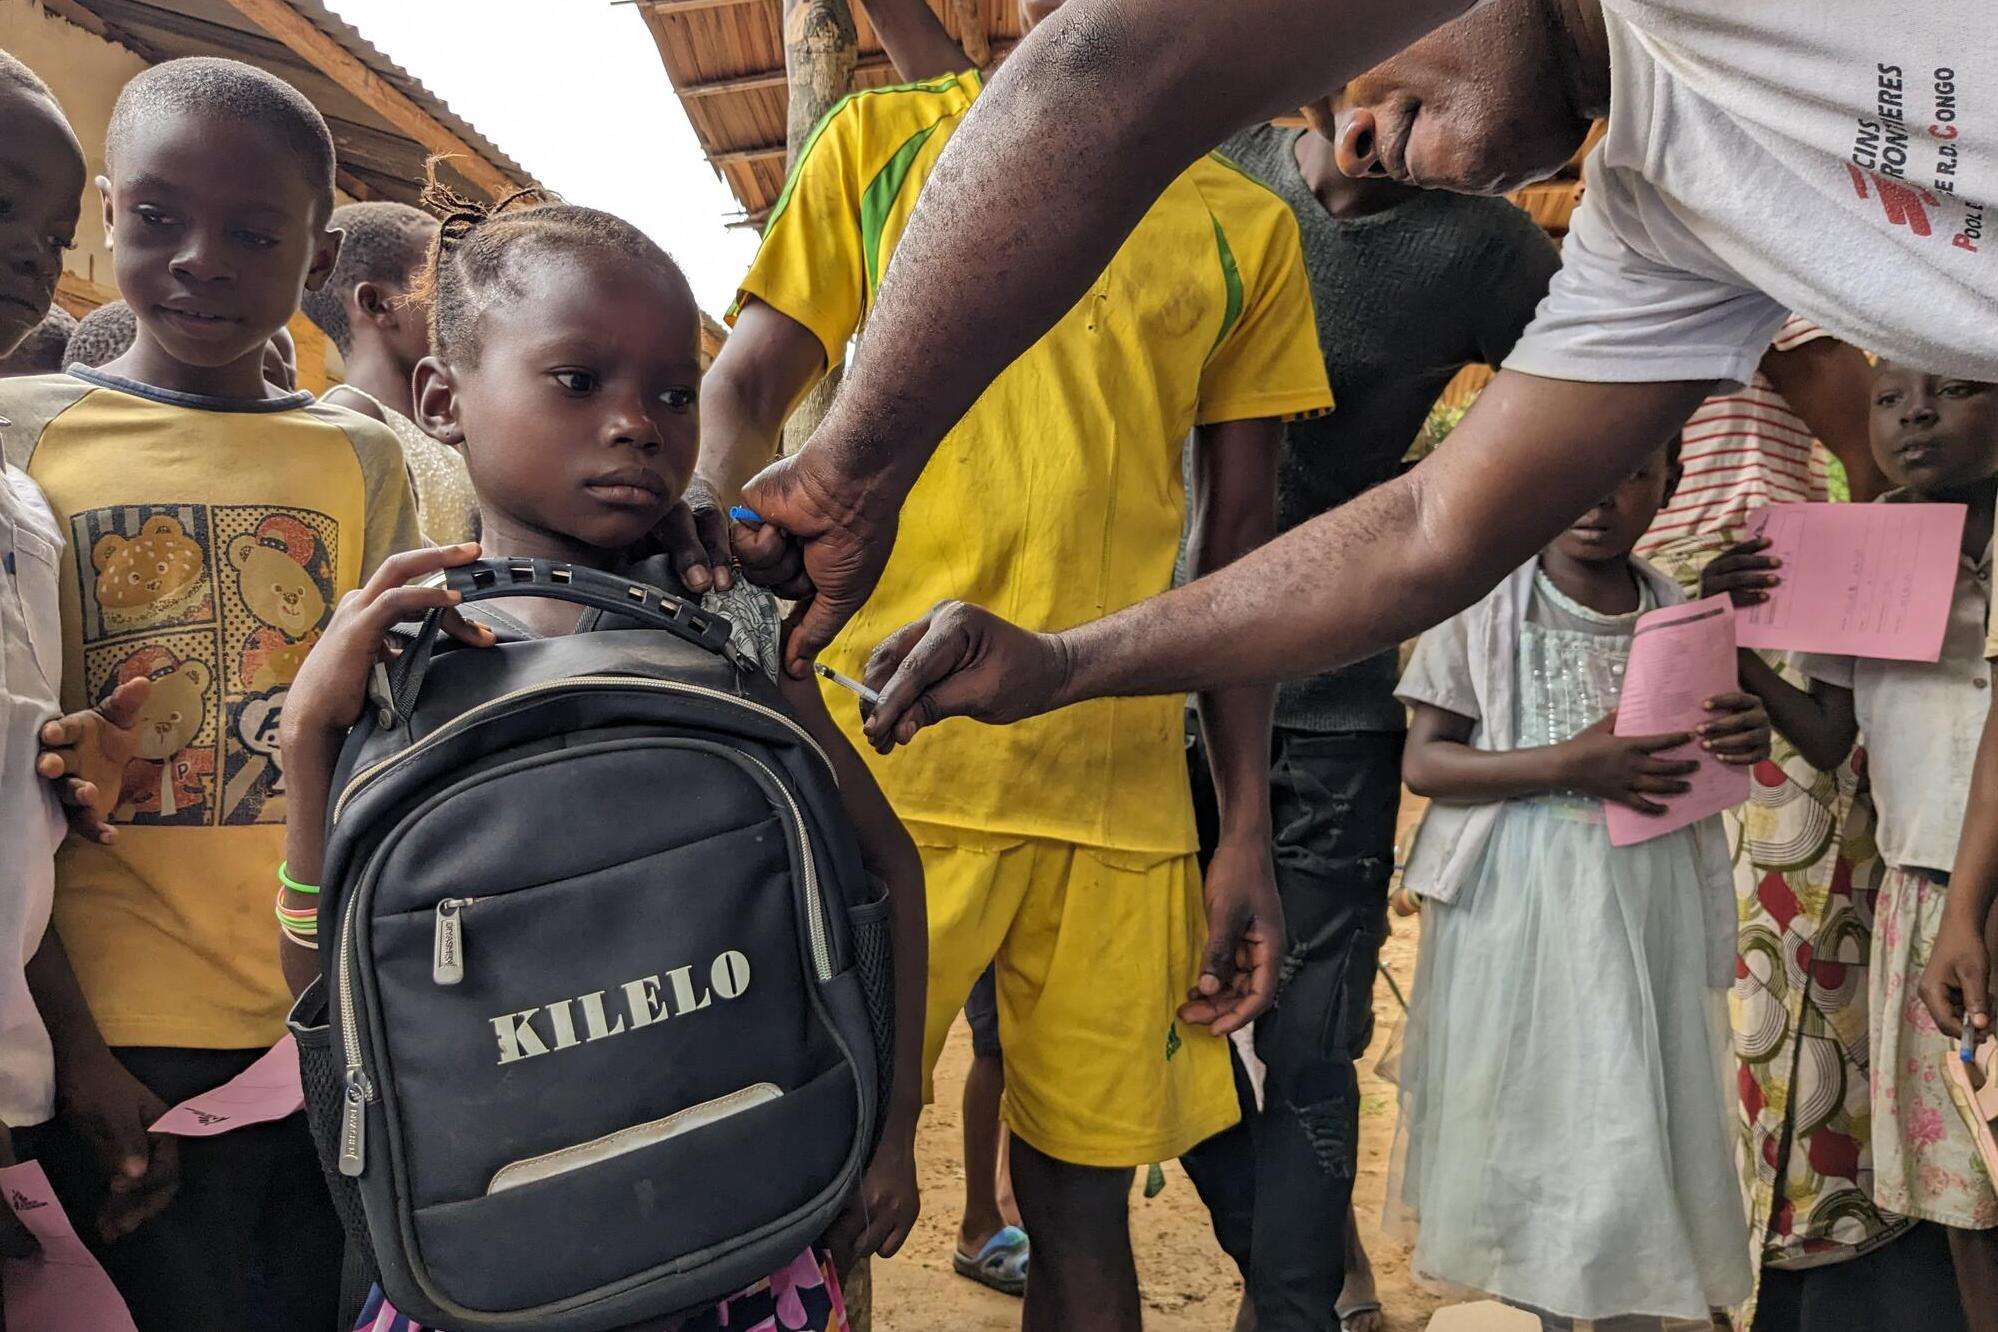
(1740, 451)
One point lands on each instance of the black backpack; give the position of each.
(605, 1021)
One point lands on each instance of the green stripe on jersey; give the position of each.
(1231, 280)
(880, 197)
(936, 85)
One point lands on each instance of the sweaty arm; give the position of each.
(1081, 130)
(1829, 385)
(915, 39)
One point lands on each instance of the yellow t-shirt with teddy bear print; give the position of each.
(208, 541)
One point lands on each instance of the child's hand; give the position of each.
(332, 685)
(1743, 572)
(1739, 732)
(110, 1110)
(1956, 984)
(1625, 769)
(884, 1209)
(85, 755)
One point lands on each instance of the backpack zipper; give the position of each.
(447, 952)
(464, 719)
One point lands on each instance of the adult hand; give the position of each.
(111, 1110)
(694, 535)
(843, 529)
(1245, 938)
(85, 755)
(961, 661)
(1743, 572)
(884, 1210)
(1625, 769)
(1956, 984)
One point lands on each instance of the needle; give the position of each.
(867, 695)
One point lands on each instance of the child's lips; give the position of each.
(198, 321)
(631, 488)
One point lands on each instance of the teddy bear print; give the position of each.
(148, 579)
(274, 579)
(164, 777)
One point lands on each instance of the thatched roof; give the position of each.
(725, 58)
(384, 121)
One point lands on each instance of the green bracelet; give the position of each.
(285, 880)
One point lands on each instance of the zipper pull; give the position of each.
(354, 1124)
(447, 956)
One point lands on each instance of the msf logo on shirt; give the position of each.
(638, 1003)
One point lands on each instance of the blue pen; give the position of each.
(1966, 1049)
(742, 513)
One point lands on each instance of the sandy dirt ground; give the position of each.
(1189, 1285)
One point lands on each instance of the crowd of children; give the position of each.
(202, 563)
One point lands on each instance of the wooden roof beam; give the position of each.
(687, 6)
(386, 100)
(774, 79)
(747, 156)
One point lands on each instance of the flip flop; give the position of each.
(1347, 1313)
(1001, 1264)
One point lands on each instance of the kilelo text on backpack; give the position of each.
(646, 1000)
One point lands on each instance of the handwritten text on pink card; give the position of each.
(1680, 657)
(266, 1090)
(62, 1288)
(1859, 580)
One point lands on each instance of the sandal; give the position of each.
(1348, 1312)
(1001, 1264)
(1974, 1088)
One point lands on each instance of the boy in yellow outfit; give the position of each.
(1062, 848)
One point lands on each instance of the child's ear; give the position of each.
(375, 304)
(435, 398)
(110, 209)
(325, 254)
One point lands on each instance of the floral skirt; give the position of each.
(804, 1297)
(1925, 1162)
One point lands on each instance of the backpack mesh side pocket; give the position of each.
(874, 961)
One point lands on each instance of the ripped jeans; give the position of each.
(1279, 1184)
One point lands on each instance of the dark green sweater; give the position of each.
(1406, 298)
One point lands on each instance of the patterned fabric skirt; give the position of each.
(1925, 1162)
(804, 1297)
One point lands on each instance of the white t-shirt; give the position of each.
(1831, 158)
(31, 822)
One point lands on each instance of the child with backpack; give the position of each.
(566, 371)
(1563, 1142)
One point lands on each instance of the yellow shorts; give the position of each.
(1094, 952)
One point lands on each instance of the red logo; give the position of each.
(1903, 203)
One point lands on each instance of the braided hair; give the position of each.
(473, 259)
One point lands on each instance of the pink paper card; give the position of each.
(1680, 657)
(266, 1090)
(1859, 580)
(62, 1288)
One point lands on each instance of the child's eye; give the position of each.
(1886, 399)
(155, 217)
(680, 399)
(576, 381)
(256, 239)
(1959, 389)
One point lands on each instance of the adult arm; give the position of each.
(915, 39)
(1083, 127)
(1957, 982)
(1234, 511)
(1530, 455)
(1829, 384)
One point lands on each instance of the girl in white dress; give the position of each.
(1563, 1142)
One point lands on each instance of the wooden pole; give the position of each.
(820, 53)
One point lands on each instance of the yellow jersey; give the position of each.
(1058, 499)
